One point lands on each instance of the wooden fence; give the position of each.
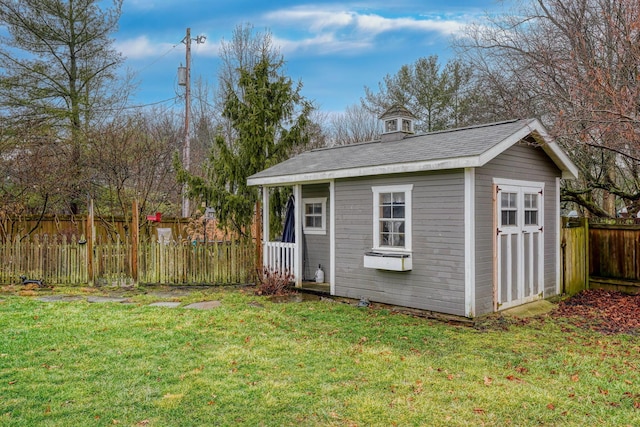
(105, 228)
(58, 260)
(601, 254)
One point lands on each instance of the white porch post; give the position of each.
(265, 226)
(332, 237)
(297, 252)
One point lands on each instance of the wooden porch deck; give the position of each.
(315, 288)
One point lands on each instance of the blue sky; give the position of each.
(335, 49)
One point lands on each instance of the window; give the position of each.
(391, 125)
(530, 209)
(509, 208)
(392, 217)
(406, 125)
(315, 220)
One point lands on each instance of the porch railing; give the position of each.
(280, 256)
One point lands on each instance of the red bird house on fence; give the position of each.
(155, 218)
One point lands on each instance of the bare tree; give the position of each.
(575, 64)
(356, 124)
(131, 157)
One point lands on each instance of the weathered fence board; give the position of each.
(611, 254)
(65, 261)
(574, 255)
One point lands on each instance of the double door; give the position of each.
(519, 242)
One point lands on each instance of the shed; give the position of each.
(464, 221)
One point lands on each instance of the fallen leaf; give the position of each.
(143, 423)
(575, 378)
(478, 410)
(551, 406)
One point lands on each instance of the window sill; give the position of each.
(317, 231)
(392, 261)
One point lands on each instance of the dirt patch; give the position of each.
(609, 312)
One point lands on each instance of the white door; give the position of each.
(520, 242)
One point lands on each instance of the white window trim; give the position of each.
(377, 190)
(314, 230)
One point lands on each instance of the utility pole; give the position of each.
(186, 82)
(186, 149)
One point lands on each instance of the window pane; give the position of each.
(398, 198)
(398, 211)
(508, 217)
(385, 198)
(384, 239)
(385, 212)
(531, 217)
(508, 200)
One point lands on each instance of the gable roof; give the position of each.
(457, 148)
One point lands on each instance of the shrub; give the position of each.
(273, 282)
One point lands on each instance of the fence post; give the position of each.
(587, 253)
(135, 238)
(91, 235)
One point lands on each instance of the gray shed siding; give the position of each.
(316, 246)
(525, 163)
(437, 280)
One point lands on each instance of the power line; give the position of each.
(160, 57)
(151, 103)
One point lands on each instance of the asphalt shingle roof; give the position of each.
(456, 143)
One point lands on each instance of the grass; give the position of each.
(257, 363)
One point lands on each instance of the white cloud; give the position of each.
(376, 24)
(323, 44)
(141, 47)
(340, 30)
(313, 19)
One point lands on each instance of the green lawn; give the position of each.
(253, 362)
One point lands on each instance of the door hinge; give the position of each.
(540, 192)
(498, 231)
(541, 229)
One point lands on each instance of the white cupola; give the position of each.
(398, 123)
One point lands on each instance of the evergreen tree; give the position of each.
(270, 118)
(57, 67)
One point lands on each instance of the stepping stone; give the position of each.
(99, 299)
(167, 304)
(204, 305)
(60, 298)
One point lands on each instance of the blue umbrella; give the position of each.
(289, 231)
